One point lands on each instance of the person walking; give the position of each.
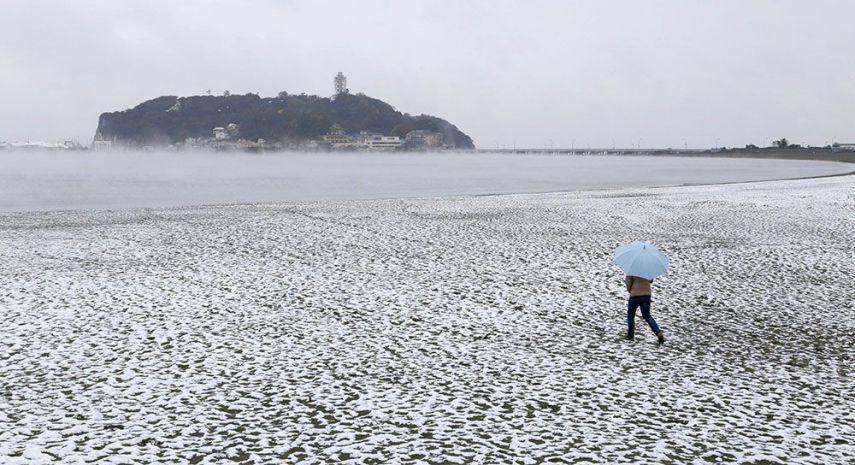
(640, 291)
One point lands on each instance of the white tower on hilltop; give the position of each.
(340, 84)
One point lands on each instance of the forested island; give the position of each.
(345, 121)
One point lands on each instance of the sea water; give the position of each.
(112, 180)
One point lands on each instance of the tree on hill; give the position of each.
(782, 143)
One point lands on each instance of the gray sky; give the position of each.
(531, 73)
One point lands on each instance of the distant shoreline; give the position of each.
(814, 154)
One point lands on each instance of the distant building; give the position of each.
(375, 142)
(337, 138)
(841, 146)
(423, 140)
(220, 133)
(340, 82)
(72, 145)
(337, 130)
(233, 130)
(41, 146)
(102, 145)
(360, 138)
(247, 144)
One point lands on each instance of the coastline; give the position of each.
(815, 154)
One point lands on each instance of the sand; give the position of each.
(439, 330)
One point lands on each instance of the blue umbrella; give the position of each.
(641, 259)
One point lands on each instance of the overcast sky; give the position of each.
(524, 73)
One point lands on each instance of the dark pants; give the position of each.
(642, 301)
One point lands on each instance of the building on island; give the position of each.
(376, 142)
(420, 139)
(220, 133)
(337, 138)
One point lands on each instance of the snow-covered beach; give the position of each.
(439, 330)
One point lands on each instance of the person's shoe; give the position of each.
(629, 337)
(660, 337)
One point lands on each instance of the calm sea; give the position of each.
(47, 181)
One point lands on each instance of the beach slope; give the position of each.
(457, 330)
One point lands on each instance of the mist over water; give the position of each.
(75, 180)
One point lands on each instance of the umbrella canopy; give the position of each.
(641, 259)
